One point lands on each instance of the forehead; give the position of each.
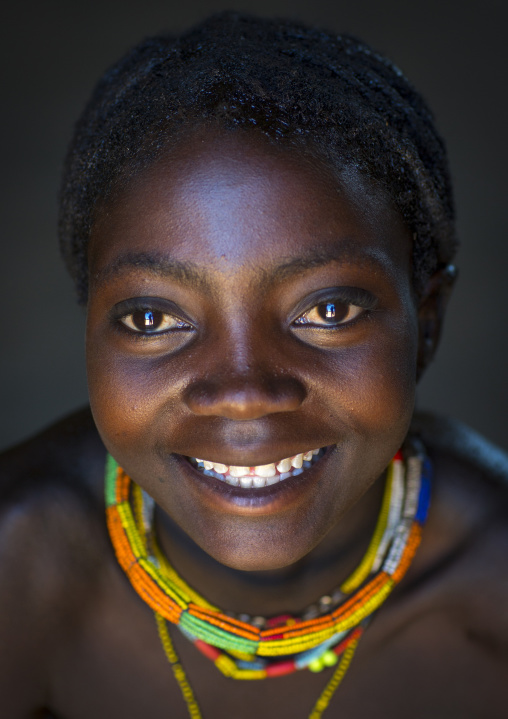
(235, 198)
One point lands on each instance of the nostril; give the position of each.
(241, 400)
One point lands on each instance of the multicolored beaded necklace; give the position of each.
(243, 647)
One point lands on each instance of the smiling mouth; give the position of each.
(259, 476)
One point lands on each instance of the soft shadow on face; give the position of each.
(235, 247)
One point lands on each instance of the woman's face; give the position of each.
(246, 306)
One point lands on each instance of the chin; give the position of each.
(260, 544)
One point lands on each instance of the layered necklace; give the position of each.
(245, 647)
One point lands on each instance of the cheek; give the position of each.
(389, 387)
(372, 386)
(127, 394)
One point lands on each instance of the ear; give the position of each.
(431, 311)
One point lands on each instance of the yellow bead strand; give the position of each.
(178, 671)
(332, 686)
(137, 511)
(363, 570)
(169, 573)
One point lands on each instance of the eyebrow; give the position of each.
(347, 252)
(192, 274)
(162, 266)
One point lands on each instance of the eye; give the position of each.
(151, 321)
(329, 314)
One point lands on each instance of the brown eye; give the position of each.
(151, 321)
(147, 320)
(329, 314)
(332, 312)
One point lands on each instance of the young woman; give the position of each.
(259, 218)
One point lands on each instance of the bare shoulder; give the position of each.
(466, 540)
(52, 540)
(471, 477)
(50, 494)
(50, 480)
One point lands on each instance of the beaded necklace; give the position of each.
(244, 647)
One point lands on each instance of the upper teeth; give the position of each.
(260, 475)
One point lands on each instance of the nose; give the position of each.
(244, 397)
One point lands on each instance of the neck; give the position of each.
(287, 590)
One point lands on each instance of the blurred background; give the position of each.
(52, 53)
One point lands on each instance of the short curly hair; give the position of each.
(294, 84)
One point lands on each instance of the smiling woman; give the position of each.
(250, 351)
(259, 218)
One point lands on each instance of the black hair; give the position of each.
(293, 83)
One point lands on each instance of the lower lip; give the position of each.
(263, 500)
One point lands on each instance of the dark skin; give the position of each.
(235, 244)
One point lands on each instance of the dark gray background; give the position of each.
(53, 52)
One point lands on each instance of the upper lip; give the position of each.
(249, 461)
(251, 444)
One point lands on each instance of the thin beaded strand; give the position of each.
(334, 683)
(178, 670)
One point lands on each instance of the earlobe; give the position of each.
(431, 313)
